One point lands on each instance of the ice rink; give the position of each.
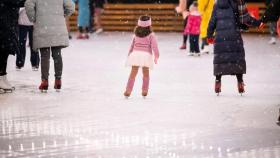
(181, 118)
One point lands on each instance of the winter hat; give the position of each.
(146, 23)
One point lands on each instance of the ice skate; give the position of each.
(197, 54)
(206, 50)
(18, 68)
(80, 36)
(35, 68)
(191, 54)
(144, 94)
(272, 40)
(57, 85)
(240, 86)
(44, 86)
(86, 36)
(5, 86)
(127, 94)
(218, 86)
(145, 86)
(184, 46)
(98, 31)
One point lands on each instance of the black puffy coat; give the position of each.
(229, 54)
(9, 25)
(272, 13)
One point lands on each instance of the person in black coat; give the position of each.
(9, 44)
(229, 53)
(272, 25)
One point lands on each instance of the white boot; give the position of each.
(4, 84)
(272, 40)
(206, 49)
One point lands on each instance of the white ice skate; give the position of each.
(5, 86)
(35, 68)
(272, 40)
(190, 54)
(98, 31)
(206, 50)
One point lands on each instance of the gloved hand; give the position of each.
(210, 40)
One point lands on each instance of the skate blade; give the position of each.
(58, 90)
(126, 97)
(44, 91)
(2, 91)
(6, 91)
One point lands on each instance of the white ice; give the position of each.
(182, 117)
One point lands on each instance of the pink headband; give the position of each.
(145, 23)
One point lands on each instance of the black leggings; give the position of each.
(185, 37)
(82, 29)
(204, 43)
(3, 63)
(238, 76)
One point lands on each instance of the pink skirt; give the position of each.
(141, 59)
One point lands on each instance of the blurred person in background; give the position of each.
(183, 8)
(9, 44)
(272, 14)
(272, 27)
(26, 30)
(99, 9)
(83, 18)
(205, 7)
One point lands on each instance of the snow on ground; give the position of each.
(181, 118)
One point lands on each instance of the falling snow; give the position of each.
(181, 118)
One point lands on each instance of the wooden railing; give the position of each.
(123, 17)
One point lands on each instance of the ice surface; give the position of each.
(182, 117)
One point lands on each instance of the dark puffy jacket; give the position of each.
(272, 13)
(229, 54)
(9, 10)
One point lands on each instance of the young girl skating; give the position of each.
(143, 47)
(193, 29)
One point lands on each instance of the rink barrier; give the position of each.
(123, 17)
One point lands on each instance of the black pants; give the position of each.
(45, 63)
(204, 43)
(238, 76)
(3, 63)
(34, 57)
(91, 16)
(83, 29)
(194, 43)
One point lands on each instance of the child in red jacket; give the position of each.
(193, 29)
